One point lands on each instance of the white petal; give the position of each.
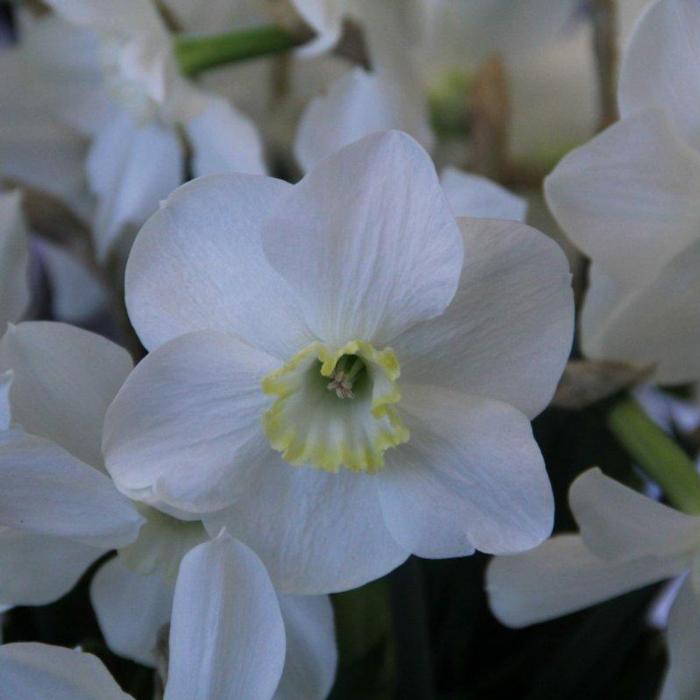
(683, 642)
(317, 532)
(64, 61)
(616, 522)
(507, 333)
(661, 66)
(131, 168)
(29, 671)
(354, 106)
(562, 576)
(368, 241)
(186, 420)
(131, 610)
(38, 569)
(227, 636)
(198, 263)
(76, 294)
(14, 259)
(471, 475)
(47, 491)
(312, 657)
(64, 379)
(656, 325)
(224, 140)
(478, 197)
(627, 198)
(35, 148)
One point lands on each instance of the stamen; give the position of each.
(342, 385)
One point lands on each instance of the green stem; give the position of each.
(198, 53)
(657, 454)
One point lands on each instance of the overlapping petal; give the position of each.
(64, 379)
(507, 333)
(470, 476)
(369, 251)
(131, 167)
(198, 263)
(131, 609)
(224, 140)
(618, 523)
(29, 671)
(562, 576)
(227, 637)
(311, 659)
(627, 198)
(48, 491)
(316, 532)
(188, 420)
(475, 196)
(39, 569)
(661, 66)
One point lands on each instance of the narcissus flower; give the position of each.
(59, 511)
(341, 372)
(628, 199)
(627, 541)
(227, 640)
(100, 85)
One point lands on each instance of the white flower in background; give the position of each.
(280, 319)
(628, 199)
(227, 640)
(356, 106)
(108, 73)
(626, 541)
(59, 512)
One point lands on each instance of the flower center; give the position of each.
(335, 408)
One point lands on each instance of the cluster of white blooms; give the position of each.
(337, 371)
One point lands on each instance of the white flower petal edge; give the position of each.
(661, 66)
(312, 656)
(627, 197)
(188, 419)
(618, 523)
(478, 197)
(227, 638)
(14, 259)
(29, 671)
(62, 395)
(508, 331)
(562, 576)
(472, 476)
(350, 239)
(47, 491)
(131, 609)
(224, 140)
(198, 263)
(131, 167)
(656, 326)
(38, 569)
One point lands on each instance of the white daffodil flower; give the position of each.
(626, 541)
(628, 200)
(341, 372)
(227, 640)
(59, 512)
(108, 74)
